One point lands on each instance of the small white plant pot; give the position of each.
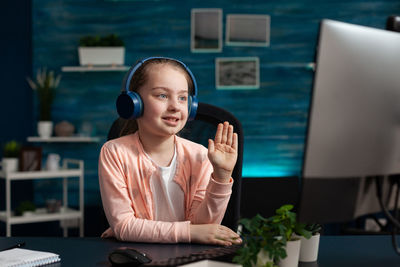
(309, 248)
(10, 164)
(45, 129)
(262, 259)
(293, 253)
(101, 56)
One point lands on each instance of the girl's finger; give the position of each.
(235, 141)
(210, 145)
(230, 135)
(225, 132)
(218, 134)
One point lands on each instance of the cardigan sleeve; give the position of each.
(210, 197)
(118, 206)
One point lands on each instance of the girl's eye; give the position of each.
(183, 98)
(162, 96)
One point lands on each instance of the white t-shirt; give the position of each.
(168, 195)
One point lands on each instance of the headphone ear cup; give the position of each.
(129, 105)
(192, 107)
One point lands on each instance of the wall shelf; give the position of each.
(64, 139)
(94, 68)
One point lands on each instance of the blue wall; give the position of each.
(274, 117)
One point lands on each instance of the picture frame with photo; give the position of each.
(247, 30)
(30, 159)
(237, 73)
(206, 30)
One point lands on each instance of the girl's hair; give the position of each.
(141, 76)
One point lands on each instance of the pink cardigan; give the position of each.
(124, 173)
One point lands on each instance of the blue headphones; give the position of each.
(130, 104)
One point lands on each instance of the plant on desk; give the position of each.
(271, 241)
(45, 85)
(309, 247)
(11, 151)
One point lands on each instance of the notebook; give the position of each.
(25, 257)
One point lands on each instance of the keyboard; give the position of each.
(224, 254)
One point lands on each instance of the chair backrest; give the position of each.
(200, 130)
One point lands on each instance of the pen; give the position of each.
(15, 246)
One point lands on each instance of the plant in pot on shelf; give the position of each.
(309, 247)
(45, 85)
(272, 241)
(105, 50)
(10, 159)
(25, 208)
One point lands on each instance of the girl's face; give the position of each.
(165, 101)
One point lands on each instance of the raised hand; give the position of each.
(222, 152)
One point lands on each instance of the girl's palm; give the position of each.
(222, 151)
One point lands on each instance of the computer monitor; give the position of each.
(354, 121)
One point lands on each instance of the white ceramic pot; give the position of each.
(10, 164)
(53, 162)
(262, 259)
(293, 253)
(309, 248)
(101, 56)
(45, 129)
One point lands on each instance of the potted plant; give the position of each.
(11, 152)
(45, 84)
(25, 208)
(287, 227)
(261, 246)
(309, 247)
(271, 241)
(101, 50)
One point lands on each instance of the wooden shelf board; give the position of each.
(93, 68)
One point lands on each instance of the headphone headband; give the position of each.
(129, 104)
(133, 69)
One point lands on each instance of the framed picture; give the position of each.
(30, 159)
(206, 30)
(237, 73)
(247, 30)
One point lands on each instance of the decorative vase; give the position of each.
(45, 129)
(64, 128)
(293, 253)
(309, 248)
(10, 164)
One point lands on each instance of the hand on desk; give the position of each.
(213, 234)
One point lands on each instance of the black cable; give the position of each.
(394, 221)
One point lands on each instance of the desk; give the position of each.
(334, 251)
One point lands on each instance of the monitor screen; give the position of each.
(354, 119)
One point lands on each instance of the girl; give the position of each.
(158, 187)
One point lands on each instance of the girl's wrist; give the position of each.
(221, 177)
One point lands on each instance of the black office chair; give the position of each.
(200, 130)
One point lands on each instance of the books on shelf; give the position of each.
(26, 257)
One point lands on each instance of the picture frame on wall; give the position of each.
(237, 73)
(30, 159)
(206, 30)
(247, 30)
